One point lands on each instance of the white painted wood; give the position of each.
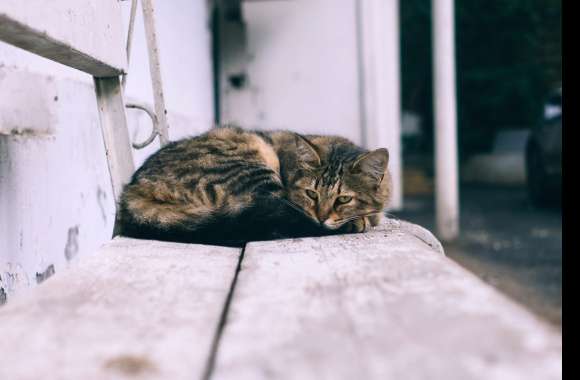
(85, 35)
(56, 200)
(115, 134)
(378, 28)
(27, 103)
(380, 305)
(137, 309)
(445, 108)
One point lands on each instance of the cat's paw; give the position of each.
(356, 226)
(375, 220)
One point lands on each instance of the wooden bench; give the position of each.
(381, 305)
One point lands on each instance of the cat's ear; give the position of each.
(373, 163)
(306, 151)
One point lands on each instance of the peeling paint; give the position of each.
(101, 200)
(49, 271)
(24, 132)
(72, 246)
(13, 277)
(3, 297)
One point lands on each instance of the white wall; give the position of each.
(56, 200)
(302, 69)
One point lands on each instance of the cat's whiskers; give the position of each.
(359, 216)
(351, 218)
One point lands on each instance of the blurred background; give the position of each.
(362, 69)
(509, 78)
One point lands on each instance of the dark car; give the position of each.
(544, 155)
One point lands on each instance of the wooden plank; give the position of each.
(381, 305)
(137, 309)
(115, 132)
(87, 35)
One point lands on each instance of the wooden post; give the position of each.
(446, 187)
(115, 133)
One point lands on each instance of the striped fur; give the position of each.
(229, 186)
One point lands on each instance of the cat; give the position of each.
(230, 185)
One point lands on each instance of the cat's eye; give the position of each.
(343, 199)
(312, 194)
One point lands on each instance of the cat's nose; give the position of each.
(328, 223)
(323, 215)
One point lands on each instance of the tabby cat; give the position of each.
(230, 185)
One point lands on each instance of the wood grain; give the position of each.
(380, 305)
(113, 120)
(136, 309)
(86, 35)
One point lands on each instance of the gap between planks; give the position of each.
(211, 360)
(215, 345)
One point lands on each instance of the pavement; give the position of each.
(506, 242)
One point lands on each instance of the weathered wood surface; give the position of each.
(136, 309)
(87, 35)
(382, 305)
(115, 132)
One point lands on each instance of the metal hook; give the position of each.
(154, 130)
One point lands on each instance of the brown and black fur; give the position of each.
(229, 186)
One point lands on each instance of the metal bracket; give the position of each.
(154, 121)
(159, 117)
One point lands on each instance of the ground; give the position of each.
(506, 242)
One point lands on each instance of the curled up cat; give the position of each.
(230, 185)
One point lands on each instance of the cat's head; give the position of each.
(334, 182)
